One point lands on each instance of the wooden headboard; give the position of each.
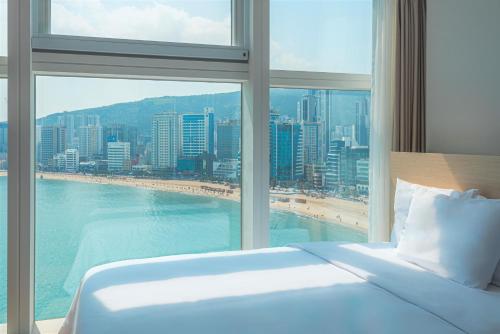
(447, 171)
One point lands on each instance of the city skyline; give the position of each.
(320, 143)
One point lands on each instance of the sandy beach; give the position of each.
(349, 213)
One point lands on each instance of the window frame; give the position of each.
(43, 40)
(3, 67)
(33, 52)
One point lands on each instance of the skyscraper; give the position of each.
(90, 141)
(197, 134)
(53, 141)
(362, 176)
(348, 163)
(308, 115)
(210, 129)
(87, 119)
(72, 160)
(362, 133)
(165, 149)
(228, 139)
(312, 142)
(286, 150)
(118, 156)
(308, 109)
(68, 121)
(123, 133)
(333, 174)
(326, 111)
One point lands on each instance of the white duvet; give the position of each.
(307, 288)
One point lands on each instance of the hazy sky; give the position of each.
(316, 35)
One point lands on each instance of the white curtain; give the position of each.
(383, 80)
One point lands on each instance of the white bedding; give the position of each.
(307, 288)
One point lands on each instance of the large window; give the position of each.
(131, 169)
(185, 21)
(318, 165)
(150, 135)
(321, 35)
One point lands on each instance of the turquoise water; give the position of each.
(80, 225)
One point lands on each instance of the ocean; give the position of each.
(80, 225)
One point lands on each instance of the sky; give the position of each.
(313, 35)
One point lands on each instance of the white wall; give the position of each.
(463, 76)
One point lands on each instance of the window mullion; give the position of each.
(21, 170)
(240, 21)
(255, 134)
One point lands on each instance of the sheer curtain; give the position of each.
(383, 88)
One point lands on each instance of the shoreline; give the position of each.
(333, 210)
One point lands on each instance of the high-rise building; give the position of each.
(118, 156)
(90, 141)
(123, 133)
(198, 134)
(59, 162)
(315, 175)
(286, 150)
(348, 163)
(342, 165)
(87, 119)
(72, 160)
(210, 129)
(68, 121)
(228, 139)
(53, 141)
(308, 115)
(312, 142)
(362, 132)
(165, 145)
(4, 127)
(326, 113)
(333, 175)
(308, 109)
(362, 176)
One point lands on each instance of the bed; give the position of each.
(321, 287)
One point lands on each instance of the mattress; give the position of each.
(305, 288)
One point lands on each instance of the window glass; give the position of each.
(186, 21)
(131, 169)
(3, 202)
(318, 165)
(321, 35)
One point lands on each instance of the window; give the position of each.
(3, 202)
(318, 165)
(321, 35)
(191, 21)
(140, 123)
(131, 169)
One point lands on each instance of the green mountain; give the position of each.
(226, 106)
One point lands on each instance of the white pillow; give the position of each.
(402, 201)
(455, 238)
